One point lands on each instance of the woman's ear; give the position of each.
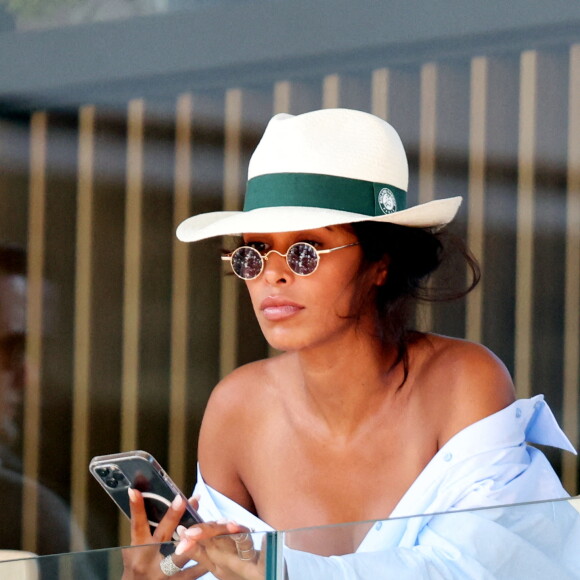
(382, 271)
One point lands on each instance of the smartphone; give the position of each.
(138, 469)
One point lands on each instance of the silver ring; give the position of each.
(239, 539)
(248, 554)
(168, 566)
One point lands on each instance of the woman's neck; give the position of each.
(343, 382)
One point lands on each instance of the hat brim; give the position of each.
(436, 213)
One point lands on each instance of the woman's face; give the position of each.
(297, 312)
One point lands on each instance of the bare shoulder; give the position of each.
(251, 380)
(232, 418)
(467, 379)
(240, 397)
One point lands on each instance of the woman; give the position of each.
(361, 418)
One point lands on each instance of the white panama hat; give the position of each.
(323, 168)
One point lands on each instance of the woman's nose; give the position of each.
(276, 270)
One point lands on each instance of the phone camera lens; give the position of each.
(111, 475)
(103, 471)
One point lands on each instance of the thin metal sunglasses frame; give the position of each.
(264, 257)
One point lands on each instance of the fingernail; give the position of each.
(180, 530)
(196, 497)
(223, 522)
(193, 532)
(132, 494)
(177, 501)
(181, 547)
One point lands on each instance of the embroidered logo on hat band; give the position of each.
(387, 201)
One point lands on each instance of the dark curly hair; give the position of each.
(413, 255)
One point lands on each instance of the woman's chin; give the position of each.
(284, 343)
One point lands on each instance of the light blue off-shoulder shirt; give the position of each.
(489, 463)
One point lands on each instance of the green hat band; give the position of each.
(326, 191)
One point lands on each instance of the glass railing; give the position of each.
(539, 540)
(109, 563)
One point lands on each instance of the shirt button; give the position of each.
(448, 457)
(379, 526)
(518, 413)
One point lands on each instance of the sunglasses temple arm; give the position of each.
(334, 249)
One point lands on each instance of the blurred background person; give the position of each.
(54, 533)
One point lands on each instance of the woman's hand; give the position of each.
(144, 562)
(228, 557)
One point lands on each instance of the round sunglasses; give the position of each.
(302, 258)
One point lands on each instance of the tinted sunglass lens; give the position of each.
(302, 258)
(247, 263)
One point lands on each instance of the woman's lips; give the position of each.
(275, 308)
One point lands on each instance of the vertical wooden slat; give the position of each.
(427, 151)
(572, 290)
(33, 392)
(477, 161)
(331, 91)
(132, 285)
(428, 132)
(82, 323)
(180, 303)
(232, 197)
(380, 93)
(525, 223)
(282, 97)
